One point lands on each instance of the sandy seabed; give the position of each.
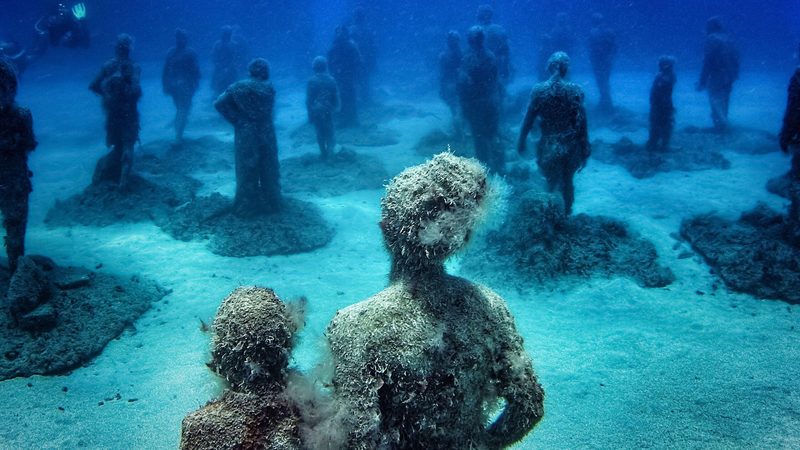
(686, 366)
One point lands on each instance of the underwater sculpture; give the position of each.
(248, 106)
(52, 319)
(790, 143)
(564, 146)
(760, 252)
(496, 42)
(254, 333)
(346, 66)
(479, 94)
(540, 246)
(364, 38)
(657, 155)
(322, 100)
(449, 64)
(16, 142)
(118, 86)
(116, 193)
(422, 363)
(602, 51)
(180, 80)
(259, 221)
(662, 111)
(227, 56)
(720, 71)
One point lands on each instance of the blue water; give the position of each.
(622, 366)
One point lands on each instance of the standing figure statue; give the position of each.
(790, 143)
(346, 66)
(602, 51)
(248, 105)
(496, 42)
(479, 93)
(228, 56)
(118, 86)
(180, 80)
(720, 71)
(322, 100)
(449, 65)
(662, 111)
(364, 38)
(564, 146)
(421, 364)
(16, 141)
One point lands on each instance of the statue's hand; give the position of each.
(79, 11)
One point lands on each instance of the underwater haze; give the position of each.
(660, 312)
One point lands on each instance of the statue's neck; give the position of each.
(406, 271)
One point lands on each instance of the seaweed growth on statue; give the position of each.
(424, 362)
(254, 333)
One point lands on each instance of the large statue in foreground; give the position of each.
(248, 106)
(564, 146)
(16, 141)
(425, 362)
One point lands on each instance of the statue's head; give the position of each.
(430, 210)
(319, 65)
(666, 63)
(254, 332)
(476, 38)
(124, 45)
(714, 25)
(558, 64)
(259, 69)
(341, 33)
(485, 14)
(181, 38)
